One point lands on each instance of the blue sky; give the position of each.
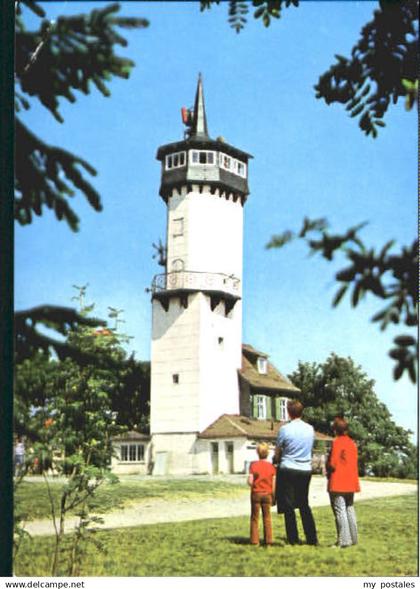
(309, 159)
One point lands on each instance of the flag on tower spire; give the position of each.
(199, 123)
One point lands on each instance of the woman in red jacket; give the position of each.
(343, 482)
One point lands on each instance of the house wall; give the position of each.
(244, 454)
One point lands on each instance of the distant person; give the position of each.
(343, 482)
(294, 458)
(262, 480)
(19, 456)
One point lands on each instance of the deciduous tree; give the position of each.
(69, 413)
(390, 276)
(383, 65)
(338, 387)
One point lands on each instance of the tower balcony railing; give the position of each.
(204, 281)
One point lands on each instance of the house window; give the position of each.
(202, 157)
(262, 365)
(283, 415)
(175, 378)
(178, 227)
(261, 407)
(175, 160)
(132, 452)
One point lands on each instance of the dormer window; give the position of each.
(262, 365)
(175, 160)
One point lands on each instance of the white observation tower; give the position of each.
(197, 307)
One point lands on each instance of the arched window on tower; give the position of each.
(177, 265)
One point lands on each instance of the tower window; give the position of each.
(202, 157)
(226, 161)
(175, 378)
(175, 160)
(240, 168)
(178, 227)
(221, 341)
(233, 165)
(177, 265)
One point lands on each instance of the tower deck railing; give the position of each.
(189, 280)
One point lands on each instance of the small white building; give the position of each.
(212, 398)
(131, 453)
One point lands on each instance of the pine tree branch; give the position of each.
(28, 340)
(70, 53)
(47, 176)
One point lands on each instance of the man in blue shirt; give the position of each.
(294, 458)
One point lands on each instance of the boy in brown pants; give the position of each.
(262, 480)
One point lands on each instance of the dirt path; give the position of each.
(160, 511)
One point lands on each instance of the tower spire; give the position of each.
(199, 124)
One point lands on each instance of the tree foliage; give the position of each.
(338, 387)
(54, 62)
(98, 351)
(264, 10)
(391, 277)
(68, 413)
(383, 66)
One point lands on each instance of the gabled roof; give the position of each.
(271, 382)
(238, 426)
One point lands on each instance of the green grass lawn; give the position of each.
(220, 547)
(388, 480)
(31, 498)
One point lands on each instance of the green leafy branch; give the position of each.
(60, 58)
(29, 340)
(264, 10)
(382, 68)
(76, 51)
(45, 176)
(388, 276)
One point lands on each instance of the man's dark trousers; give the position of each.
(295, 491)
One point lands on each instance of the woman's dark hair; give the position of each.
(340, 426)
